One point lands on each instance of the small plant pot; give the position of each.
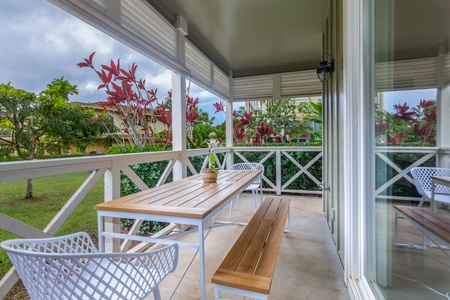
(208, 176)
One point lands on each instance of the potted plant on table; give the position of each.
(210, 173)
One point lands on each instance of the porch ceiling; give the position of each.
(253, 37)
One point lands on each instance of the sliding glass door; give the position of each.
(409, 110)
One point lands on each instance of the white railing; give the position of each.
(438, 156)
(110, 166)
(275, 182)
(107, 166)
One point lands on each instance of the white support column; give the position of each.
(179, 105)
(443, 109)
(229, 122)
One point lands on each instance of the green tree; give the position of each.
(282, 116)
(201, 134)
(39, 122)
(84, 126)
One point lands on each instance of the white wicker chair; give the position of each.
(70, 267)
(255, 187)
(422, 180)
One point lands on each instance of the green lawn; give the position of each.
(51, 193)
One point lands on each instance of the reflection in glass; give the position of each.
(412, 121)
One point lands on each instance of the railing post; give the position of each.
(278, 159)
(179, 104)
(112, 191)
(229, 131)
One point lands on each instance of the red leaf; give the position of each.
(219, 106)
(90, 58)
(82, 65)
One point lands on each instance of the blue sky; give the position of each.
(412, 98)
(40, 42)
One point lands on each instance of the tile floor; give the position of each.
(308, 266)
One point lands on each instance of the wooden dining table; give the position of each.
(187, 201)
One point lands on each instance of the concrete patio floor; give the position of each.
(308, 266)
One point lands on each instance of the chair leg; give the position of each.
(260, 195)
(156, 293)
(421, 202)
(254, 196)
(231, 209)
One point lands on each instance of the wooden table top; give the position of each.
(187, 197)
(441, 179)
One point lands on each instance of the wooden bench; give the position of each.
(249, 267)
(431, 224)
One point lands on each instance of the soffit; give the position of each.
(420, 28)
(253, 37)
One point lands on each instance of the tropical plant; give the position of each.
(282, 120)
(406, 126)
(213, 143)
(131, 100)
(282, 116)
(144, 118)
(44, 122)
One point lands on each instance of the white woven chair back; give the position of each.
(249, 166)
(422, 179)
(70, 267)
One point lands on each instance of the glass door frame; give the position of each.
(359, 149)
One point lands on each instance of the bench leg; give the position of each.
(396, 230)
(288, 230)
(218, 288)
(396, 242)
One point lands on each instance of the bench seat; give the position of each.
(249, 267)
(432, 224)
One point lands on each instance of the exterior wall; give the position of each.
(97, 148)
(99, 143)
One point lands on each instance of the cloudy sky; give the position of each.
(40, 42)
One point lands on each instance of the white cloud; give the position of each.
(41, 42)
(162, 81)
(91, 86)
(201, 94)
